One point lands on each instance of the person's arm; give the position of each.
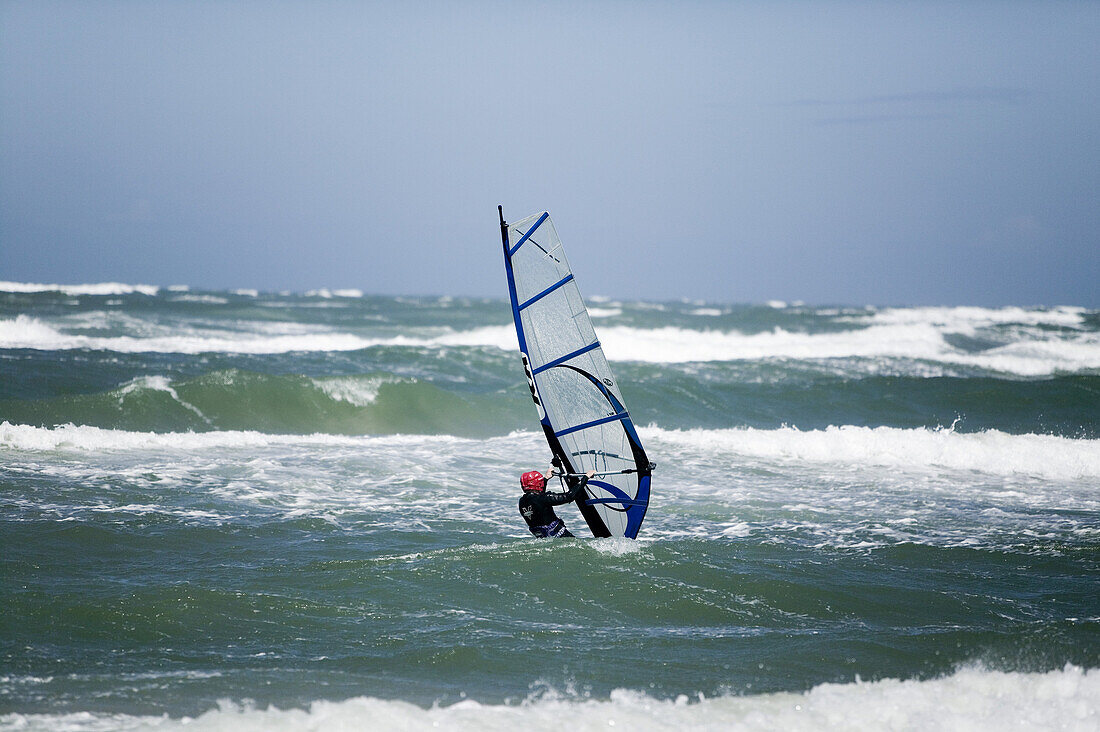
(558, 499)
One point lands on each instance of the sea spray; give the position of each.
(972, 699)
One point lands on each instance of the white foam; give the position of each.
(966, 319)
(683, 345)
(206, 299)
(84, 438)
(919, 342)
(917, 337)
(254, 337)
(605, 312)
(95, 439)
(842, 488)
(327, 294)
(1036, 357)
(100, 288)
(27, 332)
(970, 699)
(991, 452)
(497, 336)
(359, 391)
(615, 546)
(708, 312)
(158, 383)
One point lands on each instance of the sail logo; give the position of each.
(531, 383)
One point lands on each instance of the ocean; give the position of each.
(282, 511)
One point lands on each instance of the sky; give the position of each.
(884, 153)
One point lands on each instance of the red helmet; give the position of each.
(533, 481)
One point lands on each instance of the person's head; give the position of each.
(532, 481)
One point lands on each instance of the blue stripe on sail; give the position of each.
(566, 357)
(512, 296)
(593, 423)
(527, 236)
(625, 502)
(546, 292)
(636, 513)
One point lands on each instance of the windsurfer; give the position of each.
(536, 505)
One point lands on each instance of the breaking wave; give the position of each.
(100, 288)
(1036, 343)
(971, 699)
(989, 452)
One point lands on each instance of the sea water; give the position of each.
(243, 510)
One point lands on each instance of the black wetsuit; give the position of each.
(537, 509)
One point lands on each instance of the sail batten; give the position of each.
(562, 359)
(528, 234)
(580, 407)
(593, 423)
(564, 280)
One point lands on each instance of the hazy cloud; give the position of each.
(1000, 95)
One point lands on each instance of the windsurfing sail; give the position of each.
(579, 404)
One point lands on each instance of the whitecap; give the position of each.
(991, 451)
(359, 391)
(971, 698)
(97, 289)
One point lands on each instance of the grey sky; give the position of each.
(828, 152)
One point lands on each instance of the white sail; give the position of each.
(581, 409)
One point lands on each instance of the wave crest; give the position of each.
(1014, 341)
(99, 288)
(971, 699)
(990, 451)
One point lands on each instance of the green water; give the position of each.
(297, 498)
